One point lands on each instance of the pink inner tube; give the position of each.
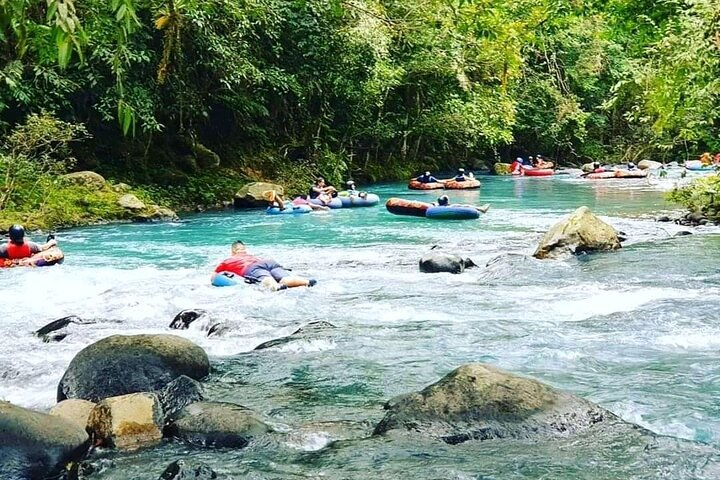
(466, 185)
(415, 185)
(538, 172)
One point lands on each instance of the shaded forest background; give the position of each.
(172, 90)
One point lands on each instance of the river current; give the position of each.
(636, 331)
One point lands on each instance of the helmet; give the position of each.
(461, 170)
(17, 233)
(427, 174)
(443, 200)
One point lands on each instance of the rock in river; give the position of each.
(481, 402)
(120, 364)
(579, 233)
(35, 445)
(438, 262)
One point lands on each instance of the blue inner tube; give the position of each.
(705, 168)
(225, 279)
(335, 203)
(452, 212)
(354, 201)
(289, 210)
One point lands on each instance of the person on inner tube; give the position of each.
(322, 192)
(460, 177)
(17, 250)
(352, 192)
(427, 178)
(265, 271)
(444, 201)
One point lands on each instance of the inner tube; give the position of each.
(334, 203)
(697, 165)
(600, 175)
(631, 173)
(415, 185)
(453, 212)
(352, 201)
(465, 185)
(289, 210)
(225, 279)
(398, 206)
(538, 172)
(48, 258)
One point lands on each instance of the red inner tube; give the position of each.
(538, 172)
(399, 206)
(415, 185)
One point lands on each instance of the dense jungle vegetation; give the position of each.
(198, 94)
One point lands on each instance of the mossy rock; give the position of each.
(579, 233)
(501, 168)
(88, 179)
(251, 195)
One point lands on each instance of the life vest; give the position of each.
(237, 264)
(16, 252)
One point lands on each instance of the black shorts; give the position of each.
(263, 269)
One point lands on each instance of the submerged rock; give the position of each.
(56, 330)
(312, 328)
(127, 422)
(36, 445)
(579, 233)
(441, 262)
(120, 364)
(183, 319)
(217, 424)
(481, 402)
(251, 195)
(178, 394)
(188, 470)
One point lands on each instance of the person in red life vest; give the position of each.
(18, 249)
(264, 271)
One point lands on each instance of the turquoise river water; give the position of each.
(636, 331)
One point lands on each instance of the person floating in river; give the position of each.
(322, 192)
(303, 200)
(274, 199)
(18, 251)
(460, 176)
(427, 178)
(444, 201)
(352, 192)
(265, 271)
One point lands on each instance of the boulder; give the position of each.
(188, 470)
(579, 233)
(88, 179)
(130, 202)
(156, 213)
(120, 364)
(183, 319)
(217, 424)
(205, 157)
(501, 168)
(37, 445)
(218, 329)
(74, 410)
(312, 329)
(127, 422)
(649, 165)
(481, 402)
(121, 187)
(437, 262)
(251, 195)
(178, 394)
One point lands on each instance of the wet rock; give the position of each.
(88, 179)
(682, 233)
(188, 470)
(130, 202)
(183, 319)
(155, 213)
(218, 329)
(579, 233)
(178, 394)
(622, 236)
(501, 168)
(127, 422)
(663, 218)
(36, 445)
(74, 410)
(312, 329)
(120, 364)
(217, 424)
(438, 262)
(481, 402)
(251, 195)
(56, 330)
(649, 165)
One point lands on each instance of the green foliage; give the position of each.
(703, 195)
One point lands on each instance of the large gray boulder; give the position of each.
(252, 194)
(35, 445)
(439, 262)
(217, 424)
(91, 180)
(120, 364)
(130, 202)
(579, 233)
(481, 402)
(649, 165)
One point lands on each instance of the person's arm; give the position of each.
(41, 248)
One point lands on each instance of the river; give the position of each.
(636, 331)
